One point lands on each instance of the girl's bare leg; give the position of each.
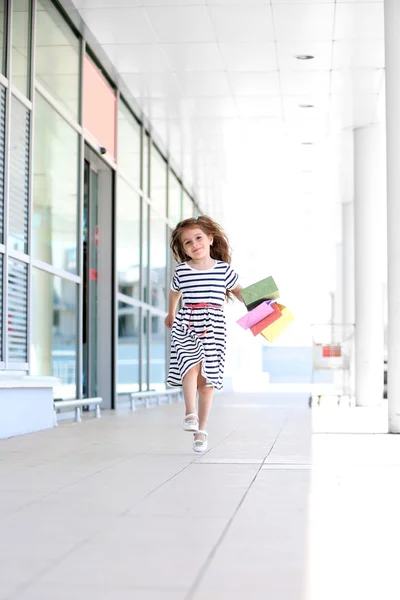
(189, 385)
(205, 402)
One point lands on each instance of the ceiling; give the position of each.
(257, 133)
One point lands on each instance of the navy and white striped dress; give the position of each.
(199, 334)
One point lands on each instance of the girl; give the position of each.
(204, 278)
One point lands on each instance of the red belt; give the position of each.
(200, 305)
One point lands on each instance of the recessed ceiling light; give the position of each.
(304, 56)
(306, 105)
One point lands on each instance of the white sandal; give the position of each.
(201, 445)
(191, 422)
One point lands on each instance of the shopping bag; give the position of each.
(254, 294)
(272, 331)
(268, 320)
(256, 315)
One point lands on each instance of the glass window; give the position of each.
(145, 250)
(158, 262)
(99, 107)
(21, 38)
(187, 206)
(3, 36)
(55, 330)
(158, 187)
(17, 311)
(128, 348)
(157, 352)
(128, 155)
(145, 350)
(1, 305)
(174, 199)
(146, 150)
(55, 205)
(2, 155)
(19, 177)
(57, 57)
(128, 240)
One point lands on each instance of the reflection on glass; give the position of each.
(174, 199)
(57, 57)
(145, 350)
(55, 330)
(158, 186)
(128, 240)
(157, 352)
(128, 155)
(187, 206)
(158, 262)
(146, 150)
(128, 348)
(55, 204)
(21, 37)
(3, 37)
(145, 250)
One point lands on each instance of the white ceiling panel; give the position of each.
(311, 22)
(356, 82)
(307, 83)
(193, 57)
(260, 106)
(358, 53)
(203, 84)
(302, 1)
(359, 21)
(137, 58)
(181, 23)
(173, 2)
(128, 24)
(242, 23)
(254, 84)
(249, 56)
(321, 51)
(152, 85)
(107, 3)
(208, 107)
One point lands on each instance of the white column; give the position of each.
(339, 284)
(369, 197)
(348, 263)
(392, 59)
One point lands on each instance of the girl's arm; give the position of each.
(172, 303)
(237, 294)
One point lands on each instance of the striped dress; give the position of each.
(198, 333)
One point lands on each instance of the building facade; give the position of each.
(87, 205)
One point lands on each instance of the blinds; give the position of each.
(19, 177)
(17, 310)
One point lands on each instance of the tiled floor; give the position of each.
(121, 508)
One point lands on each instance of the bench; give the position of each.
(77, 405)
(146, 396)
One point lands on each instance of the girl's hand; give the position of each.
(169, 319)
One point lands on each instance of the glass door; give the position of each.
(90, 281)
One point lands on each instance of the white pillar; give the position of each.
(392, 59)
(348, 263)
(339, 284)
(369, 196)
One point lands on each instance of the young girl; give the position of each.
(204, 278)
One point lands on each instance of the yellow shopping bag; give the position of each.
(272, 331)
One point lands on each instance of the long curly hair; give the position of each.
(220, 249)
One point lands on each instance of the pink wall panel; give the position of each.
(99, 107)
